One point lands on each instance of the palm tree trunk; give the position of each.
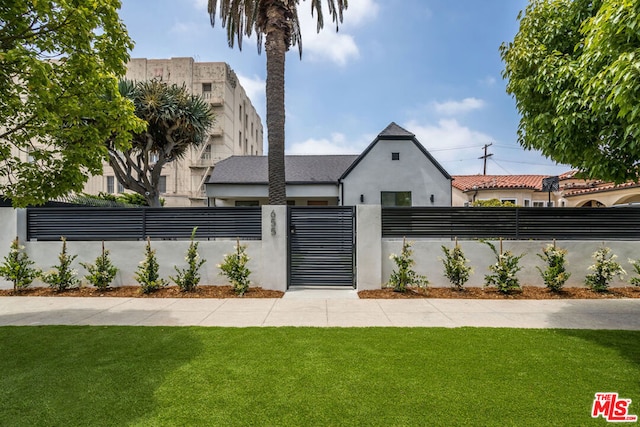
(276, 49)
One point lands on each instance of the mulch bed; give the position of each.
(134, 291)
(527, 292)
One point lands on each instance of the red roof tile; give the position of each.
(468, 182)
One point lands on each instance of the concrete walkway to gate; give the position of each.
(321, 308)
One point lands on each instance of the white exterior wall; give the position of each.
(427, 254)
(414, 172)
(269, 256)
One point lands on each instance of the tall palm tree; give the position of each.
(278, 21)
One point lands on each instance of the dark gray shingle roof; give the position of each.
(298, 169)
(394, 130)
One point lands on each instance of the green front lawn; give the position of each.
(170, 376)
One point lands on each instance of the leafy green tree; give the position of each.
(58, 95)
(176, 120)
(277, 21)
(573, 71)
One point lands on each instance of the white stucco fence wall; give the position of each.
(267, 256)
(268, 262)
(428, 253)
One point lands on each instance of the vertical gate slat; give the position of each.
(321, 246)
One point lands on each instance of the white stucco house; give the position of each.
(394, 170)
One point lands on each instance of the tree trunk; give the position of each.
(276, 49)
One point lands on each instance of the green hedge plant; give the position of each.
(234, 267)
(188, 278)
(102, 273)
(604, 270)
(147, 273)
(555, 274)
(455, 266)
(17, 267)
(404, 275)
(504, 272)
(62, 276)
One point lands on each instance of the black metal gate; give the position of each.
(321, 246)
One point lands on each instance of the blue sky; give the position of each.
(432, 66)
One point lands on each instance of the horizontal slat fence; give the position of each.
(513, 223)
(138, 223)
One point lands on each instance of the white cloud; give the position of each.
(329, 45)
(255, 87)
(452, 144)
(453, 108)
(337, 143)
(200, 4)
(488, 81)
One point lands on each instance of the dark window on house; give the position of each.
(240, 139)
(110, 183)
(395, 156)
(247, 203)
(206, 87)
(162, 184)
(395, 198)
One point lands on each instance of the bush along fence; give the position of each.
(468, 260)
(18, 268)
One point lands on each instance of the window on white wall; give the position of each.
(395, 156)
(395, 198)
(162, 184)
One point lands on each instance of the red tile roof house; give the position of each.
(526, 191)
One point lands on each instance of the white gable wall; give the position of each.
(413, 172)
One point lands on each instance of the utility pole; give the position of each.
(485, 157)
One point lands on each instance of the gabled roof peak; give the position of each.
(393, 130)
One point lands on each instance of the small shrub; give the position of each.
(635, 281)
(188, 278)
(555, 274)
(404, 276)
(102, 273)
(234, 267)
(17, 267)
(147, 274)
(604, 270)
(455, 266)
(504, 270)
(62, 277)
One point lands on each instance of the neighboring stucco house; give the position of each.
(526, 191)
(521, 190)
(394, 170)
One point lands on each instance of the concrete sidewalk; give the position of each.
(321, 310)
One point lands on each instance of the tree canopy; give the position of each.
(59, 99)
(176, 121)
(574, 71)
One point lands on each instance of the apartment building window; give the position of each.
(240, 114)
(162, 184)
(206, 87)
(206, 153)
(246, 121)
(110, 183)
(120, 187)
(240, 139)
(395, 198)
(395, 156)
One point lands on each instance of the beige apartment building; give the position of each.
(237, 129)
